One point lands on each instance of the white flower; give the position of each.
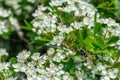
(13, 3)
(44, 22)
(67, 76)
(3, 52)
(64, 29)
(105, 78)
(53, 72)
(50, 51)
(19, 67)
(80, 75)
(11, 78)
(4, 66)
(4, 13)
(109, 74)
(57, 40)
(32, 1)
(3, 27)
(38, 13)
(15, 23)
(113, 73)
(77, 25)
(104, 72)
(89, 21)
(42, 60)
(22, 56)
(35, 56)
(88, 65)
(57, 2)
(100, 67)
(59, 56)
(31, 70)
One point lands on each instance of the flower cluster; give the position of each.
(7, 22)
(3, 13)
(49, 19)
(4, 66)
(16, 5)
(57, 64)
(45, 21)
(80, 16)
(79, 43)
(3, 52)
(42, 67)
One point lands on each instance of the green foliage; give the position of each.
(69, 66)
(13, 60)
(113, 39)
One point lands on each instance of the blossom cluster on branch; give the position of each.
(74, 42)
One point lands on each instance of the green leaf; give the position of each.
(69, 66)
(65, 17)
(79, 42)
(89, 43)
(28, 26)
(4, 58)
(40, 40)
(72, 70)
(84, 33)
(73, 35)
(36, 49)
(100, 42)
(102, 4)
(89, 47)
(77, 57)
(97, 29)
(44, 39)
(13, 60)
(95, 18)
(113, 39)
